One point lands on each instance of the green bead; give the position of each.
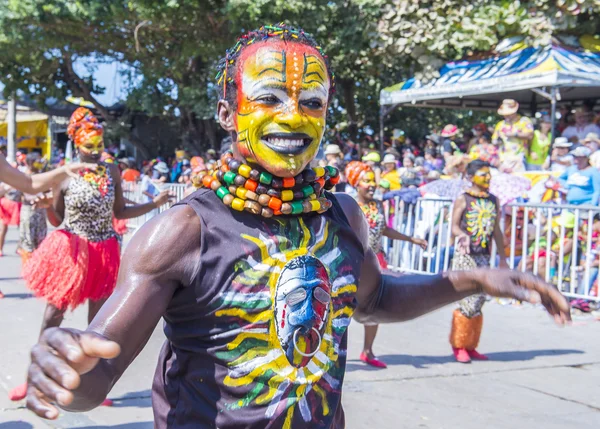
(222, 191)
(332, 171)
(308, 190)
(266, 178)
(297, 207)
(229, 177)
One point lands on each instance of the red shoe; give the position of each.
(18, 393)
(107, 403)
(1, 295)
(474, 354)
(373, 362)
(461, 355)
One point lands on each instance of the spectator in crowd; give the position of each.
(513, 134)
(485, 151)
(580, 182)
(592, 142)
(180, 156)
(432, 163)
(560, 159)
(128, 174)
(372, 159)
(540, 145)
(333, 155)
(390, 172)
(449, 146)
(409, 173)
(582, 127)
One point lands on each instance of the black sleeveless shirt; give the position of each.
(259, 338)
(478, 221)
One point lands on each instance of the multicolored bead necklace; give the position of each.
(371, 213)
(242, 187)
(477, 194)
(98, 178)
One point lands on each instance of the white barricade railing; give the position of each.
(133, 192)
(556, 242)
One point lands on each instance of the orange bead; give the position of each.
(321, 181)
(251, 185)
(334, 180)
(275, 204)
(277, 212)
(224, 168)
(288, 182)
(207, 180)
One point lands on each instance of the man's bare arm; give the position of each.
(394, 298)
(68, 366)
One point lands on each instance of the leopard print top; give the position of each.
(88, 213)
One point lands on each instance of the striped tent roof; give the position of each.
(482, 83)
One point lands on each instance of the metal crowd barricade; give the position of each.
(552, 241)
(133, 192)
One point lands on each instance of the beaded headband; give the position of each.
(282, 31)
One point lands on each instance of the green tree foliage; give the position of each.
(170, 48)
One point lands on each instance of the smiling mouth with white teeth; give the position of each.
(287, 143)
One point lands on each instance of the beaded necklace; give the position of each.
(242, 187)
(371, 213)
(98, 178)
(477, 194)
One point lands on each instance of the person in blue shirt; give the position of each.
(581, 181)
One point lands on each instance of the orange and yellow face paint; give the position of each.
(482, 178)
(367, 180)
(283, 91)
(92, 146)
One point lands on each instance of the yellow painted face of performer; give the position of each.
(283, 90)
(482, 178)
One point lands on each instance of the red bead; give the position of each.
(334, 180)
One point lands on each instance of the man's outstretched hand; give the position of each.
(514, 284)
(57, 362)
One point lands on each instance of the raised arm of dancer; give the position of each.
(396, 235)
(393, 298)
(121, 210)
(38, 182)
(77, 369)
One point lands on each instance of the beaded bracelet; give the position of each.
(241, 187)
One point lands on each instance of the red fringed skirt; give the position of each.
(66, 269)
(10, 211)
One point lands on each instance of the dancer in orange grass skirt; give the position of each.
(80, 262)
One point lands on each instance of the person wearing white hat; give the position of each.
(514, 134)
(582, 127)
(390, 172)
(561, 158)
(580, 182)
(592, 142)
(333, 155)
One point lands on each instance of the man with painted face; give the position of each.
(475, 223)
(214, 266)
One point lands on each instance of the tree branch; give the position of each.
(77, 84)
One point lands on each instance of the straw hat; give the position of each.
(508, 107)
(591, 137)
(449, 130)
(332, 149)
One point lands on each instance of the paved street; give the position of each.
(540, 375)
